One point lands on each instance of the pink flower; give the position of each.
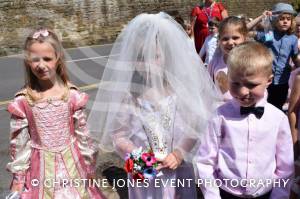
(149, 159)
(39, 33)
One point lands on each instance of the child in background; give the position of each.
(189, 31)
(49, 139)
(211, 42)
(297, 20)
(293, 114)
(245, 127)
(295, 70)
(200, 16)
(284, 45)
(232, 32)
(186, 27)
(294, 73)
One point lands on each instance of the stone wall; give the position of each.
(250, 8)
(90, 22)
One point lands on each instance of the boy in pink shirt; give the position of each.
(248, 150)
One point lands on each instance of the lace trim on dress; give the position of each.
(52, 123)
(157, 122)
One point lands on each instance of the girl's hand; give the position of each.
(172, 161)
(17, 187)
(91, 176)
(222, 80)
(266, 13)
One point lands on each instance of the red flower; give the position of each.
(137, 176)
(128, 165)
(149, 159)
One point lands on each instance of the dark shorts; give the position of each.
(226, 195)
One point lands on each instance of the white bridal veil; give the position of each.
(153, 53)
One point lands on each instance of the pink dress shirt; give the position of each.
(243, 147)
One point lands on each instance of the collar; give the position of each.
(279, 34)
(215, 35)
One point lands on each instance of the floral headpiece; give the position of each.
(39, 33)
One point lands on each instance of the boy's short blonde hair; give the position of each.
(250, 58)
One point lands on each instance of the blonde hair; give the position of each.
(250, 58)
(292, 29)
(31, 81)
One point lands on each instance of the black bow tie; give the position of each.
(257, 111)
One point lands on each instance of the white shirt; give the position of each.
(209, 47)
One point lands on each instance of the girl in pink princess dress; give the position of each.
(50, 144)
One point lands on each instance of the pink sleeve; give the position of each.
(284, 160)
(16, 108)
(79, 100)
(206, 159)
(20, 148)
(87, 145)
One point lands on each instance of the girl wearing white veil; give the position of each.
(154, 93)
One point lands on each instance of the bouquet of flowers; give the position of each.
(141, 164)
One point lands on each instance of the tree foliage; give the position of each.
(296, 5)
